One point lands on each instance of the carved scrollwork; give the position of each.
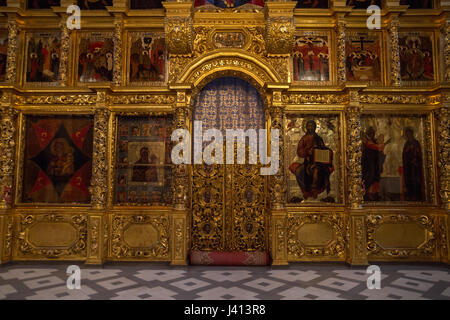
(399, 99)
(158, 250)
(141, 99)
(179, 35)
(424, 221)
(300, 98)
(80, 99)
(76, 249)
(280, 35)
(336, 247)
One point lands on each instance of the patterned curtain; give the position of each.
(229, 103)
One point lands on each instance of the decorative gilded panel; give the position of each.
(52, 235)
(136, 237)
(401, 236)
(316, 236)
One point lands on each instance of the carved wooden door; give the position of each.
(228, 208)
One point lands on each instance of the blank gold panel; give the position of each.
(315, 234)
(52, 234)
(140, 236)
(405, 235)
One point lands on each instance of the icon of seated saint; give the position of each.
(313, 175)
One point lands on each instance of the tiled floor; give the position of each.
(160, 281)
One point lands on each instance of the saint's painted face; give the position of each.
(409, 133)
(310, 127)
(144, 154)
(371, 133)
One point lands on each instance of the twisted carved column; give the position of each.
(7, 149)
(65, 50)
(444, 154)
(277, 185)
(99, 182)
(447, 51)
(340, 29)
(354, 152)
(13, 31)
(180, 170)
(395, 55)
(357, 254)
(117, 72)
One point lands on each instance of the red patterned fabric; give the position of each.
(229, 258)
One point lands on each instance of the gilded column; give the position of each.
(340, 41)
(7, 149)
(11, 64)
(444, 152)
(117, 73)
(357, 253)
(447, 51)
(180, 170)
(277, 185)
(394, 53)
(99, 180)
(354, 152)
(65, 51)
(443, 123)
(180, 230)
(278, 215)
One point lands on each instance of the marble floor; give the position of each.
(124, 281)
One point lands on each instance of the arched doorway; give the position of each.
(228, 200)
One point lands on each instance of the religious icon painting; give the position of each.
(417, 4)
(94, 4)
(3, 55)
(42, 4)
(145, 4)
(363, 57)
(313, 159)
(394, 156)
(147, 58)
(43, 58)
(57, 163)
(416, 57)
(311, 58)
(95, 57)
(363, 4)
(316, 4)
(144, 170)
